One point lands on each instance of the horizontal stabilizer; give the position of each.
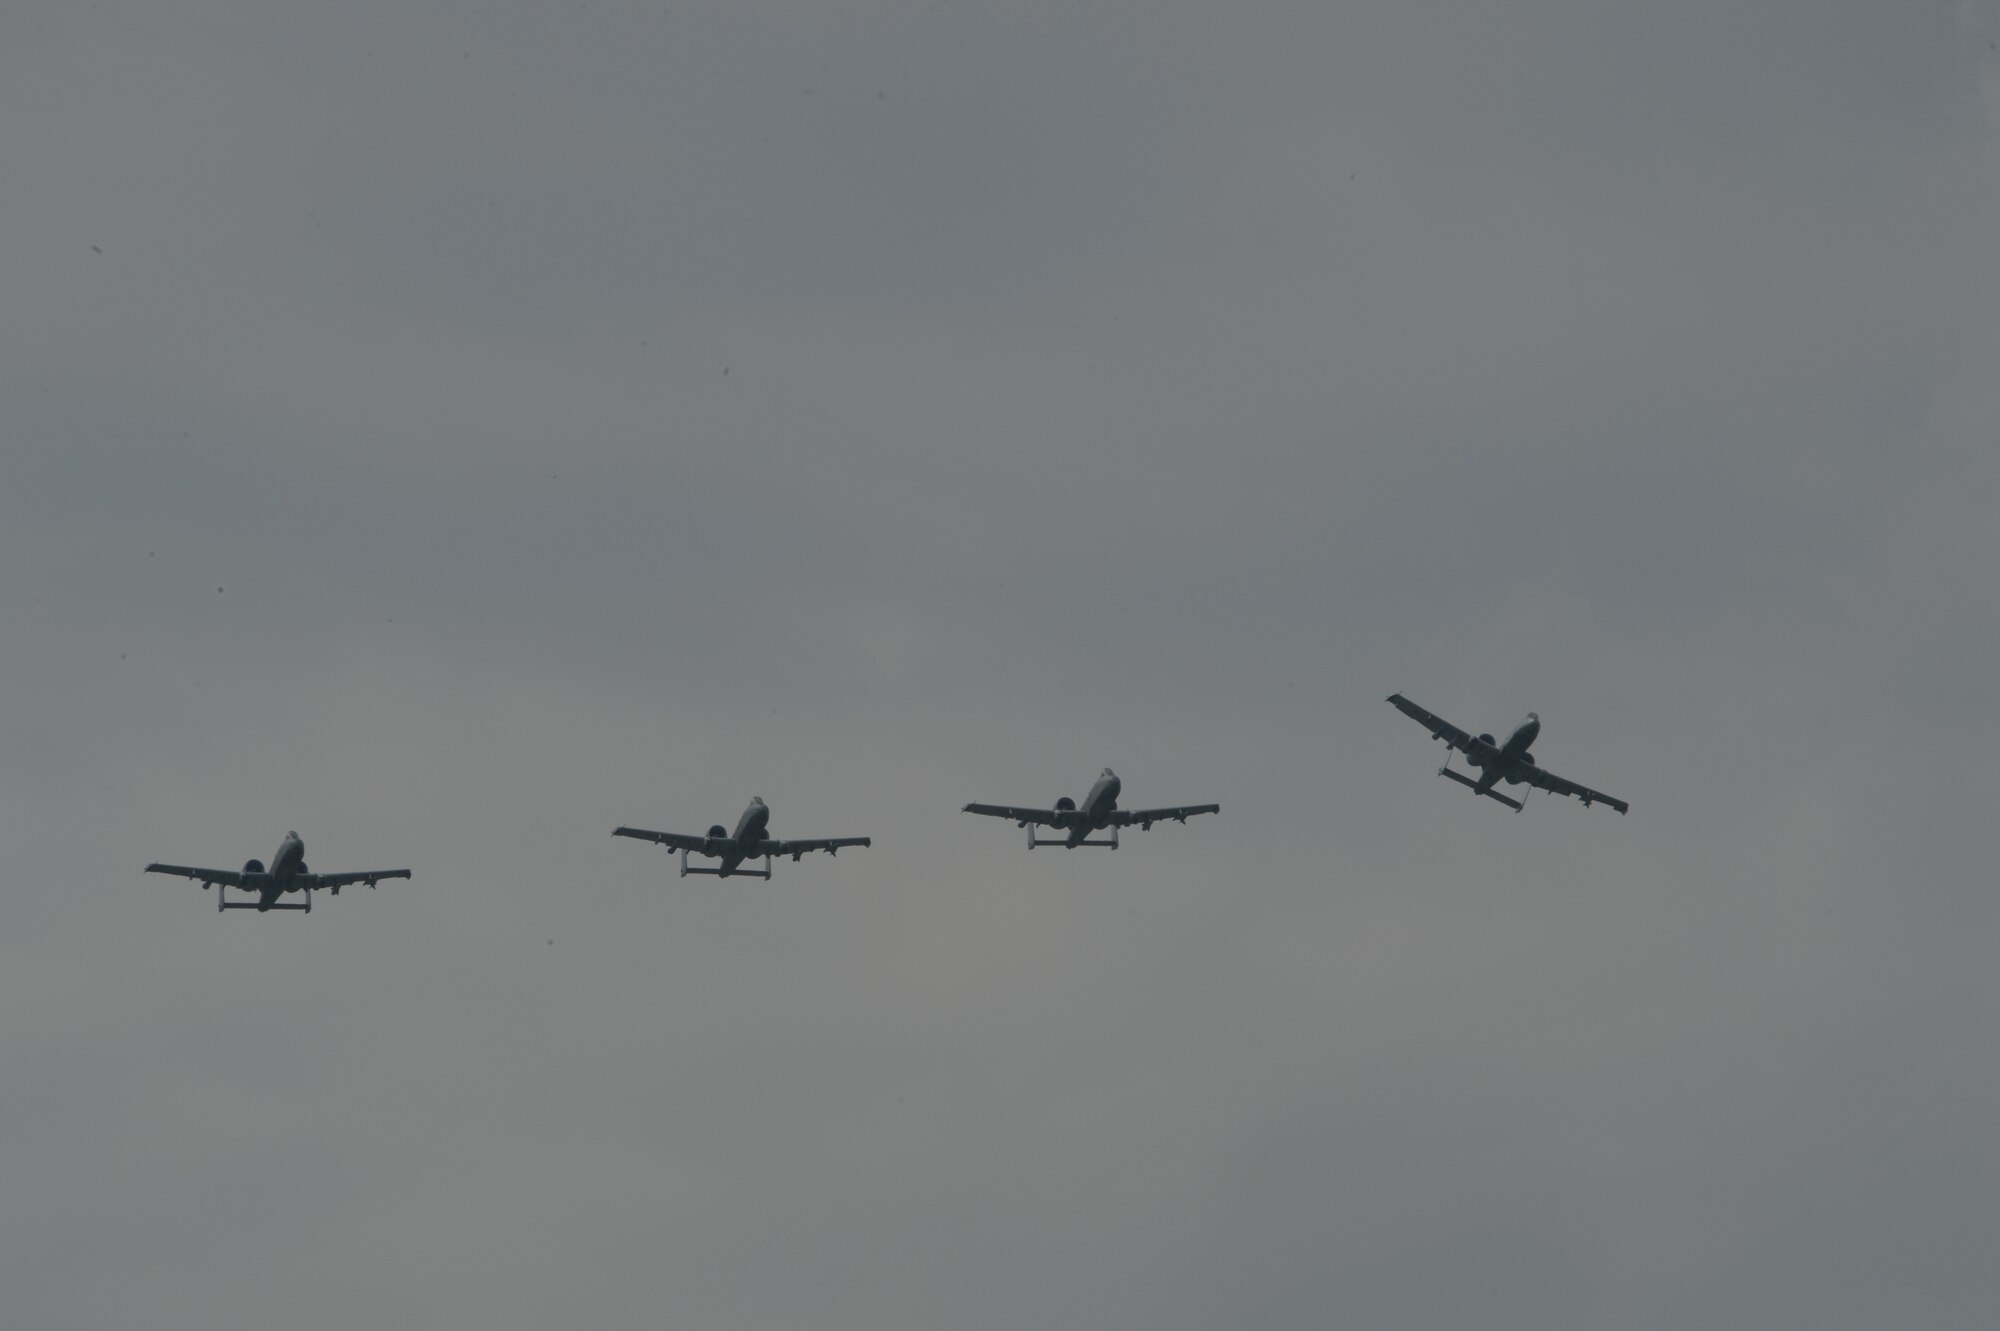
(1109, 843)
(1467, 781)
(719, 872)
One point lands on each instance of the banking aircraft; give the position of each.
(288, 873)
(747, 842)
(1099, 811)
(1510, 762)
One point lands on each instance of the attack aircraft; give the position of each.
(288, 873)
(748, 842)
(1098, 811)
(1510, 762)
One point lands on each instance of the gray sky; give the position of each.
(455, 430)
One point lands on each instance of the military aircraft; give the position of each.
(1099, 811)
(1510, 762)
(747, 842)
(288, 873)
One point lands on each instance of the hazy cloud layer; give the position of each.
(455, 431)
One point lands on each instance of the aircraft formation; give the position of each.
(1510, 762)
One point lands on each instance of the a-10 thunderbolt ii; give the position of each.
(1098, 811)
(748, 842)
(1510, 762)
(288, 873)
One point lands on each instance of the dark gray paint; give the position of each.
(1098, 811)
(750, 841)
(286, 873)
(1497, 761)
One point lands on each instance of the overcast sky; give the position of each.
(455, 430)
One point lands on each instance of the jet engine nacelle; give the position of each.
(1514, 778)
(1488, 741)
(1065, 804)
(718, 833)
(302, 869)
(1529, 759)
(253, 866)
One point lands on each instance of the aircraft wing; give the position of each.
(1147, 817)
(697, 844)
(336, 881)
(226, 877)
(1431, 721)
(1046, 817)
(1555, 785)
(831, 845)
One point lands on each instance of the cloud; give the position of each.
(453, 436)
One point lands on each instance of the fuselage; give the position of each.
(1499, 763)
(1097, 805)
(1103, 796)
(749, 835)
(282, 876)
